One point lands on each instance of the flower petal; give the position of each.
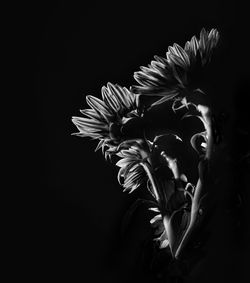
(99, 106)
(91, 113)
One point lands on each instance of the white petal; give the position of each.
(99, 106)
(164, 244)
(155, 209)
(158, 217)
(100, 144)
(91, 113)
(123, 162)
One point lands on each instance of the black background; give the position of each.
(75, 206)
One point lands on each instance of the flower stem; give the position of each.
(206, 115)
(148, 169)
(172, 164)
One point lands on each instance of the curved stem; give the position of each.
(206, 115)
(199, 195)
(148, 169)
(191, 225)
(172, 165)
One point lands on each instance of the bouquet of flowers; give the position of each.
(154, 163)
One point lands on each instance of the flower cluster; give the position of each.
(177, 201)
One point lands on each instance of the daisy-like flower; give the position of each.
(136, 166)
(131, 173)
(107, 115)
(139, 159)
(175, 75)
(135, 163)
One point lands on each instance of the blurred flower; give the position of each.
(106, 117)
(175, 75)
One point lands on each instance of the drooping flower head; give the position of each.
(160, 165)
(134, 154)
(130, 168)
(140, 156)
(105, 118)
(174, 75)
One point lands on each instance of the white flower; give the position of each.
(174, 75)
(106, 117)
(131, 173)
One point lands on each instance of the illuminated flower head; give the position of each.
(173, 76)
(106, 117)
(138, 157)
(160, 165)
(131, 174)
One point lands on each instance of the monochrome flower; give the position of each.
(140, 159)
(107, 115)
(174, 75)
(131, 174)
(118, 122)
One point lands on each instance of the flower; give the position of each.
(175, 75)
(106, 117)
(140, 159)
(131, 169)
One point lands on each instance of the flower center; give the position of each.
(115, 131)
